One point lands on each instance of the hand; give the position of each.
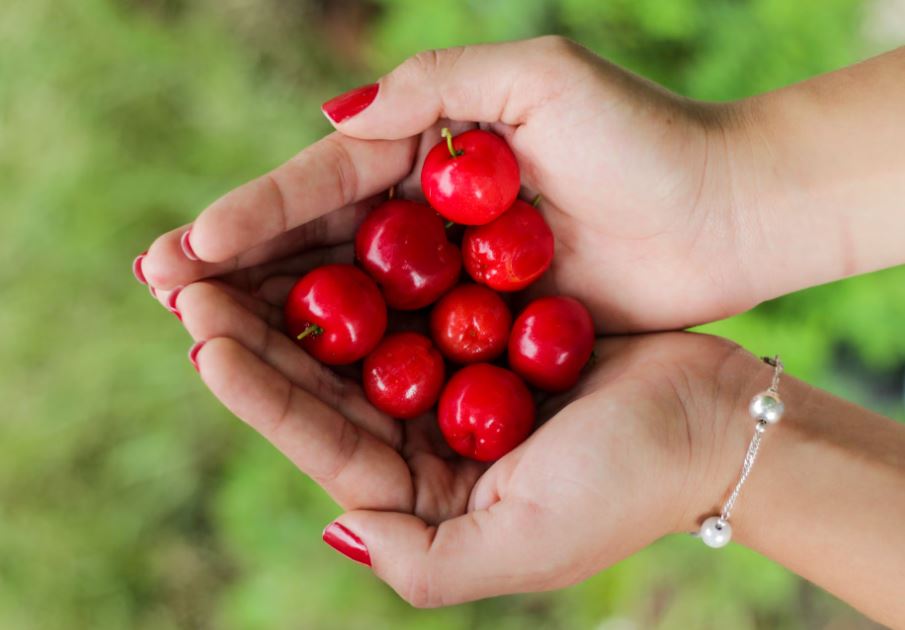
(634, 181)
(621, 462)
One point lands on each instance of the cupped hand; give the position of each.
(619, 462)
(637, 183)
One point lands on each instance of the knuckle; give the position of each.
(328, 386)
(436, 61)
(279, 421)
(272, 182)
(339, 163)
(418, 592)
(558, 45)
(347, 443)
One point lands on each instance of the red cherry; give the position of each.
(551, 342)
(403, 375)
(472, 178)
(336, 313)
(470, 324)
(403, 246)
(510, 252)
(485, 411)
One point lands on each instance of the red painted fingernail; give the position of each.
(345, 542)
(153, 291)
(187, 246)
(193, 354)
(352, 103)
(136, 268)
(171, 302)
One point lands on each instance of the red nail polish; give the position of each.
(344, 541)
(193, 354)
(353, 102)
(152, 291)
(171, 302)
(187, 246)
(136, 268)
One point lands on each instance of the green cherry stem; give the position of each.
(536, 201)
(446, 133)
(449, 224)
(313, 329)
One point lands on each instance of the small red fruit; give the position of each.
(336, 313)
(403, 246)
(485, 411)
(472, 178)
(470, 324)
(551, 342)
(404, 375)
(510, 252)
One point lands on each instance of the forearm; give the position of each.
(826, 497)
(821, 167)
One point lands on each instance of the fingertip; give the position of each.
(137, 268)
(193, 354)
(185, 242)
(341, 108)
(345, 541)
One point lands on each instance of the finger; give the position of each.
(251, 278)
(476, 555)
(272, 314)
(353, 466)
(487, 83)
(262, 289)
(165, 265)
(208, 312)
(334, 172)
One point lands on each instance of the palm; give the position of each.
(366, 460)
(409, 467)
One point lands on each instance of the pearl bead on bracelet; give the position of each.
(765, 408)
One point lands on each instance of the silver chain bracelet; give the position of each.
(765, 408)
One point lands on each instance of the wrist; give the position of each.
(721, 435)
(816, 170)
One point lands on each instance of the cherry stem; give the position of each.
(536, 201)
(313, 329)
(391, 194)
(446, 133)
(449, 224)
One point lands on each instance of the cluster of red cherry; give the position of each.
(339, 315)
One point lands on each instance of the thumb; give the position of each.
(486, 83)
(476, 555)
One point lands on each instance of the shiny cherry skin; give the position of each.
(551, 342)
(404, 375)
(485, 411)
(510, 252)
(339, 313)
(403, 246)
(471, 178)
(470, 324)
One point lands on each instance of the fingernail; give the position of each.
(345, 542)
(193, 354)
(136, 268)
(171, 302)
(353, 102)
(187, 246)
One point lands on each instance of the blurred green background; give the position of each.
(128, 497)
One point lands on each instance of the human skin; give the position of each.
(667, 212)
(648, 444)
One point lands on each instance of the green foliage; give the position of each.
(128, 497)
